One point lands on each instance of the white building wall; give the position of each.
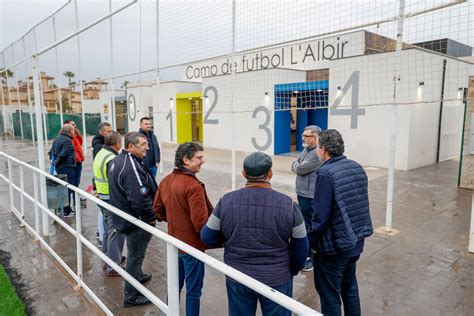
(166, 128)
(143, 94)
(417, 123)
(242, 94)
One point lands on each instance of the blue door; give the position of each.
(312, 102)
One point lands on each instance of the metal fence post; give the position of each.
(78, 233)
(22, 192)
(471, 234)
(39, 133)
(173, 279)
(10, 178)
(37, 211)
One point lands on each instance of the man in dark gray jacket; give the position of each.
(305, 169)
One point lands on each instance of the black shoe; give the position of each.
(145, 277)
(137, 301)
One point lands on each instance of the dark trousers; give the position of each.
(70, 172)
(137, 242)
(242, 301)
(153, 171)
(335, 278)
(306, 206)
(113, 241)
(191, 271)
(77, 175)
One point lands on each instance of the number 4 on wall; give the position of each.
(354, 111)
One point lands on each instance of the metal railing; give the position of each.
(172, 245)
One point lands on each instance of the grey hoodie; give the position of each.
(305, 169)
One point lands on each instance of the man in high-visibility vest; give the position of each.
(113, 242)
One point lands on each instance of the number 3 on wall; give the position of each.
(264, 126)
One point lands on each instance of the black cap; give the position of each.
(257, 164)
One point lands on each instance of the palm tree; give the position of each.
(124, 84)
(69, 75)
(5, 74)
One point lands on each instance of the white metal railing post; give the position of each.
(78, 234)
(471, 234)
(10, 178)
(22, 192)
(28, 94)
(41, 102)
(173, 279)
(37, 211)
(234, 89)
(79, 77)
(39, 134)
(60, 101)
(394, 118)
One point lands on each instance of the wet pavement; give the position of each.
(423, 270)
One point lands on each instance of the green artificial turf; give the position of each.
(10, 304)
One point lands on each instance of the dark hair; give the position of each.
(102, 125)
(113, 138)
(331, 141)
(186, 150)
(133, 138)
(69, 121)
(144, 118)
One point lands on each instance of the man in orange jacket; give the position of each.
(182, 201)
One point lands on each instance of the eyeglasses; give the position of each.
(304, 135)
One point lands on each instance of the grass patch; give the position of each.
(10, 304)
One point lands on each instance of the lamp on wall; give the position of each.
(339, 91)
(419, 91)
(266, 100)
(171, 104)
(206, 103)
(460, 93)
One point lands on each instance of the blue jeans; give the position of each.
(137, 242)
(153, 171)
(306, 206)
(242, 301)
(335, 278)
(191, 270)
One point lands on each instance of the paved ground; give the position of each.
(424, 270)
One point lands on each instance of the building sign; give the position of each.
(303, 56)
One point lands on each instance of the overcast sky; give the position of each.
(192, 30)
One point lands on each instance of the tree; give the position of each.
(124, 84)
(5, 75)
(69, 75)
(67, 108)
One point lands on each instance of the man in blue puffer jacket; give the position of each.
(340, 224)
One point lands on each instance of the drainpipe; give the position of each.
(441, 110)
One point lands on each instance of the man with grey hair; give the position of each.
(132, 189)
(305, 169)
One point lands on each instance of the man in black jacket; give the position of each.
(153, 156)
(132, 189)
(99, 139)
(64, 159)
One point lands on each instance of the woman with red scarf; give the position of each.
(77, 142)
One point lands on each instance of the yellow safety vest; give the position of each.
(100, 172)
